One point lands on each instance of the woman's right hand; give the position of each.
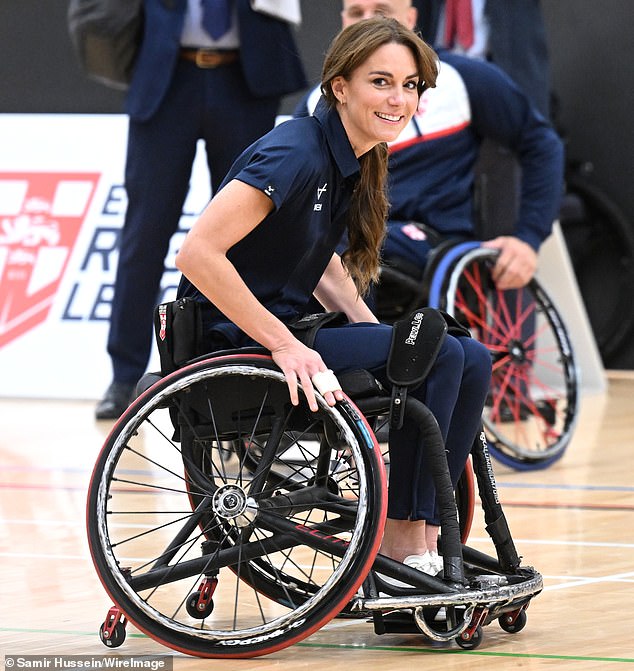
(299, 365)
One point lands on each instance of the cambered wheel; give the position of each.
(532, 405)
(290, 545)
(465, 501)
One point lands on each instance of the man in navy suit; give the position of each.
(221, 85)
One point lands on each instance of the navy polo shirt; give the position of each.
(308, 169)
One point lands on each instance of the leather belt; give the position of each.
(210, 58)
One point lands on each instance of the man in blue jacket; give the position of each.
(218, 79)
(432, 162)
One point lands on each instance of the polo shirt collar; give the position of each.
(337, 139)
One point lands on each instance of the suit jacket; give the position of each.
(268, 54)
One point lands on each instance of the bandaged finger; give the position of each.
(325, 381)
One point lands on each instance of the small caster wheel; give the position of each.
(116, 638)
(512, 626)
(473, 641)
(194, 609)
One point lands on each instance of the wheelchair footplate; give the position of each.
(452, 613)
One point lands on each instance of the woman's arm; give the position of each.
(336, 291)
(231, 215)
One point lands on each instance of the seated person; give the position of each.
(266, 244)
(432, 161)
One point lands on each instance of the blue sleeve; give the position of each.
(279, 164)
(501, 111)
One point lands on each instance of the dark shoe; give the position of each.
(115, 401)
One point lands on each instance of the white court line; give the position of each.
(581, 582)
(472, 539)
(62, 523)
(574, 580)
(35, 555)
(537, 541)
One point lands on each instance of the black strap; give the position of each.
(454, 327)
(305, 328)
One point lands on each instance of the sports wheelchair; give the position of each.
(533, 404)
(225, 522)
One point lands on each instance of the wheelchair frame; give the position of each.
(533, 404)
(211, 488)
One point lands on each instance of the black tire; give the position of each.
(288, 554)
(532, 406)
(475, 641)
(513, 626)
(116, 638)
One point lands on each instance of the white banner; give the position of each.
(62, 204)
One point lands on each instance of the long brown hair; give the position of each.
(369, 204)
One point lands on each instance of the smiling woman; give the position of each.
(310, 183)
(379, 98)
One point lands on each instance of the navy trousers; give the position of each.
(455, 391)
(209, 104)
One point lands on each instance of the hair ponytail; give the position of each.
(366, 222)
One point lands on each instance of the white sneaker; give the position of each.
(427, 563)
(424, 563)
(433, 562)
(437, 562)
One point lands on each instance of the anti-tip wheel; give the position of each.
(472, 642)
(116, 638)
(513, 625)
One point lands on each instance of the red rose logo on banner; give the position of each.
(41, 215)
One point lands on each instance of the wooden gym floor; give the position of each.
(574, 522)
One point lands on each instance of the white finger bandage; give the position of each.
(325, 381)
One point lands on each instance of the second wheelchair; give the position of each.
(533, 403)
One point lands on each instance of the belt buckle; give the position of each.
(207, 59)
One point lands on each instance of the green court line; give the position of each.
(372, 648)
(24, 630)
(460, 651)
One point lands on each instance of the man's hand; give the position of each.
(516, 263)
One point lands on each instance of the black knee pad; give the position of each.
(416, 342)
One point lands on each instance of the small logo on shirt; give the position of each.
(412, 231)
(320, 190)
(269, 190)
